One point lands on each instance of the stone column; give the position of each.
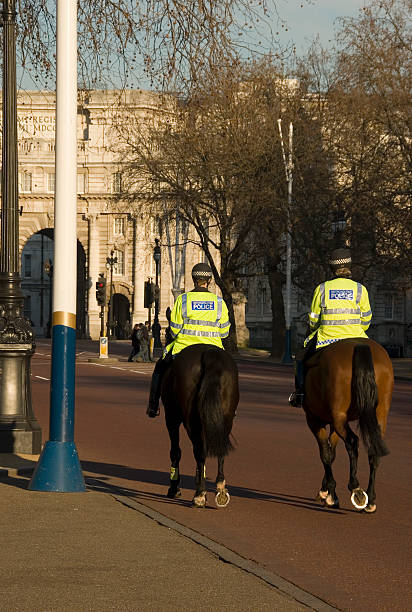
(139, 255)
(93, 257)
(239, 307)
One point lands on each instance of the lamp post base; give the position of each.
(24, 438)
(19, 430)
(58, 469)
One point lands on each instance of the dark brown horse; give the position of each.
(349, 380)
(200, 390)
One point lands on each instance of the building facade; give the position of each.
(114, 239)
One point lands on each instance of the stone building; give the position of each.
(106, 228)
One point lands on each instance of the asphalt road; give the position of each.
(353, 561)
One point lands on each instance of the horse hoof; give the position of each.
(327, 500)
(222, 498)
(331, 502)
(199, 501)
(370, 508)
(322, 495)
(359, 499)
(173, 493)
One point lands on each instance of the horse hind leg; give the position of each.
(175, 455)
(370, 507)
(199, 499)
(381, 413)
(222, 498)
(359, 497)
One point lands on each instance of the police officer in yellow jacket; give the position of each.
(340, 309)
(198, 317)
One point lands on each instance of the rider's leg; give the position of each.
(296, 398)
(156, 384)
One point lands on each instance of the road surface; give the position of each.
(353, 561)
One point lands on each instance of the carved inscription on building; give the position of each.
(35, 125)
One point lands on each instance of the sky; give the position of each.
(304, 20)
(307, 19)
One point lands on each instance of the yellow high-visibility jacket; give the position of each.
(340, 309)
(198, 316)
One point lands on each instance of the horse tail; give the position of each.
(214, 429)
(365, 400)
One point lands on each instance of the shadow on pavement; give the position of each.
(104, 470)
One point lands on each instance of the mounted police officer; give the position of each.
(340, 309)
(198, 317)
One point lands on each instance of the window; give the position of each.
(51, 182)
(118, 267)
(119, 226)
(25, 182)
(81, 183)
(27, 266)
(117, 182)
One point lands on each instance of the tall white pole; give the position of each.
(59, 468)
(288, 162)
(65, 262)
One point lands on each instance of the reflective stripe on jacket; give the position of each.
(198, 316)
(340, 309)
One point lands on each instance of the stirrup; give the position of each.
(296, 399)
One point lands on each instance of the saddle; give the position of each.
(313, 359)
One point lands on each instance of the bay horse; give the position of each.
(351, 379)
(200, 389)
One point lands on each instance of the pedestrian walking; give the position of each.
(143, 336)
(168, 331)
(135, 342)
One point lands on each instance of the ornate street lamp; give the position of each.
(19, 430)
(157, 255)
(110, 263)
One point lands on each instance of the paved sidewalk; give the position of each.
(90, 552)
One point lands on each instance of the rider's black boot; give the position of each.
(296, 398)
(153, 409)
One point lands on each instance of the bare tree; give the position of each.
(363, 89)
(123, 41)
(375, 67)
(217, 160)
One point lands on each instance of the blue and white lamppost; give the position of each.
(58, 468)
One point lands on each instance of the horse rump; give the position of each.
(365, 400)
(218, 387)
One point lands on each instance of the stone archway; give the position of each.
(121, 317)
(36, 282)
